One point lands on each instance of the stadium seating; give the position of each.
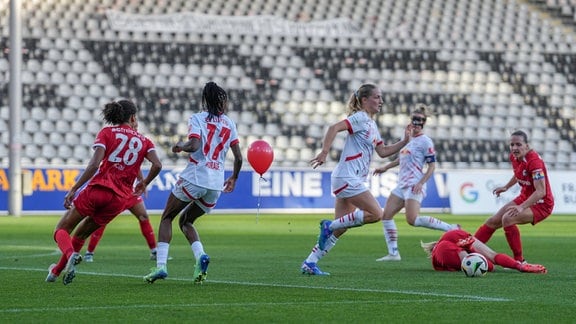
(487, 68)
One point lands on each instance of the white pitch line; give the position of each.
(41, 255)
(204, 306)
(387, 291)
(30, 247)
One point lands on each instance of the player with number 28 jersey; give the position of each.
(111, 174)
(125, 149)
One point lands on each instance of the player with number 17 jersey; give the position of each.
(125, 150)
(206, 165)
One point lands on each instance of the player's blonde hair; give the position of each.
(355, 100)
(422, 109)
(428, 247)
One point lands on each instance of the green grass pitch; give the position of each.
(254, 276)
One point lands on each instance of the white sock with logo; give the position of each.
(391, 235)
(432, 223)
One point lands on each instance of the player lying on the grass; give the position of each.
(447, 253)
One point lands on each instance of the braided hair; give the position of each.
(214, 100)
(355, 100)
(118, 112)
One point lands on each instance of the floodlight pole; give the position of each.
(15, 95)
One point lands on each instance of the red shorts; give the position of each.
(540, 211)
(135, 200)
(100, 203)
(445, 255)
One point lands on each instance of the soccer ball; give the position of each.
(474, 265)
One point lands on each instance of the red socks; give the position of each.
(513, 237)
(148, 233)
(506, 261)
(64, 241)
(145, 228)
(484, 233)
(95, 238)
(77, 244)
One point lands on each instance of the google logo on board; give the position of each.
(468, 193)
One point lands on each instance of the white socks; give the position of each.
(354, 219)
(391, 235)
(162, 254)
(433, 223)
(391, 231)
(197, 249)
(317, 254)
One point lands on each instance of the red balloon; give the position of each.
(260, 156)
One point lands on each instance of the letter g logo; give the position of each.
(468, 193)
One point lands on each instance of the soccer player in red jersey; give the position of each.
(119, 151)
(534, 203)
(138, 209)
(447, 253)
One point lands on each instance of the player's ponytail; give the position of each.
(214, 100)
(428, 247)
(355, 100)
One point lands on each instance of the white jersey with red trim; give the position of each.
(363, 137)
(418, 151)
(206, 166)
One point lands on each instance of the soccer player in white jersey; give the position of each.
(355, 205)
(210, 134)
(411, 187)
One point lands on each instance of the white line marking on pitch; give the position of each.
(41, 255)
(388, 291)
(219, 305)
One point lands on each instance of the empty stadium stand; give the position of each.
(487, 68)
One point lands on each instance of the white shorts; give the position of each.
(204, 198)
(348, 187)
(406, 193)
